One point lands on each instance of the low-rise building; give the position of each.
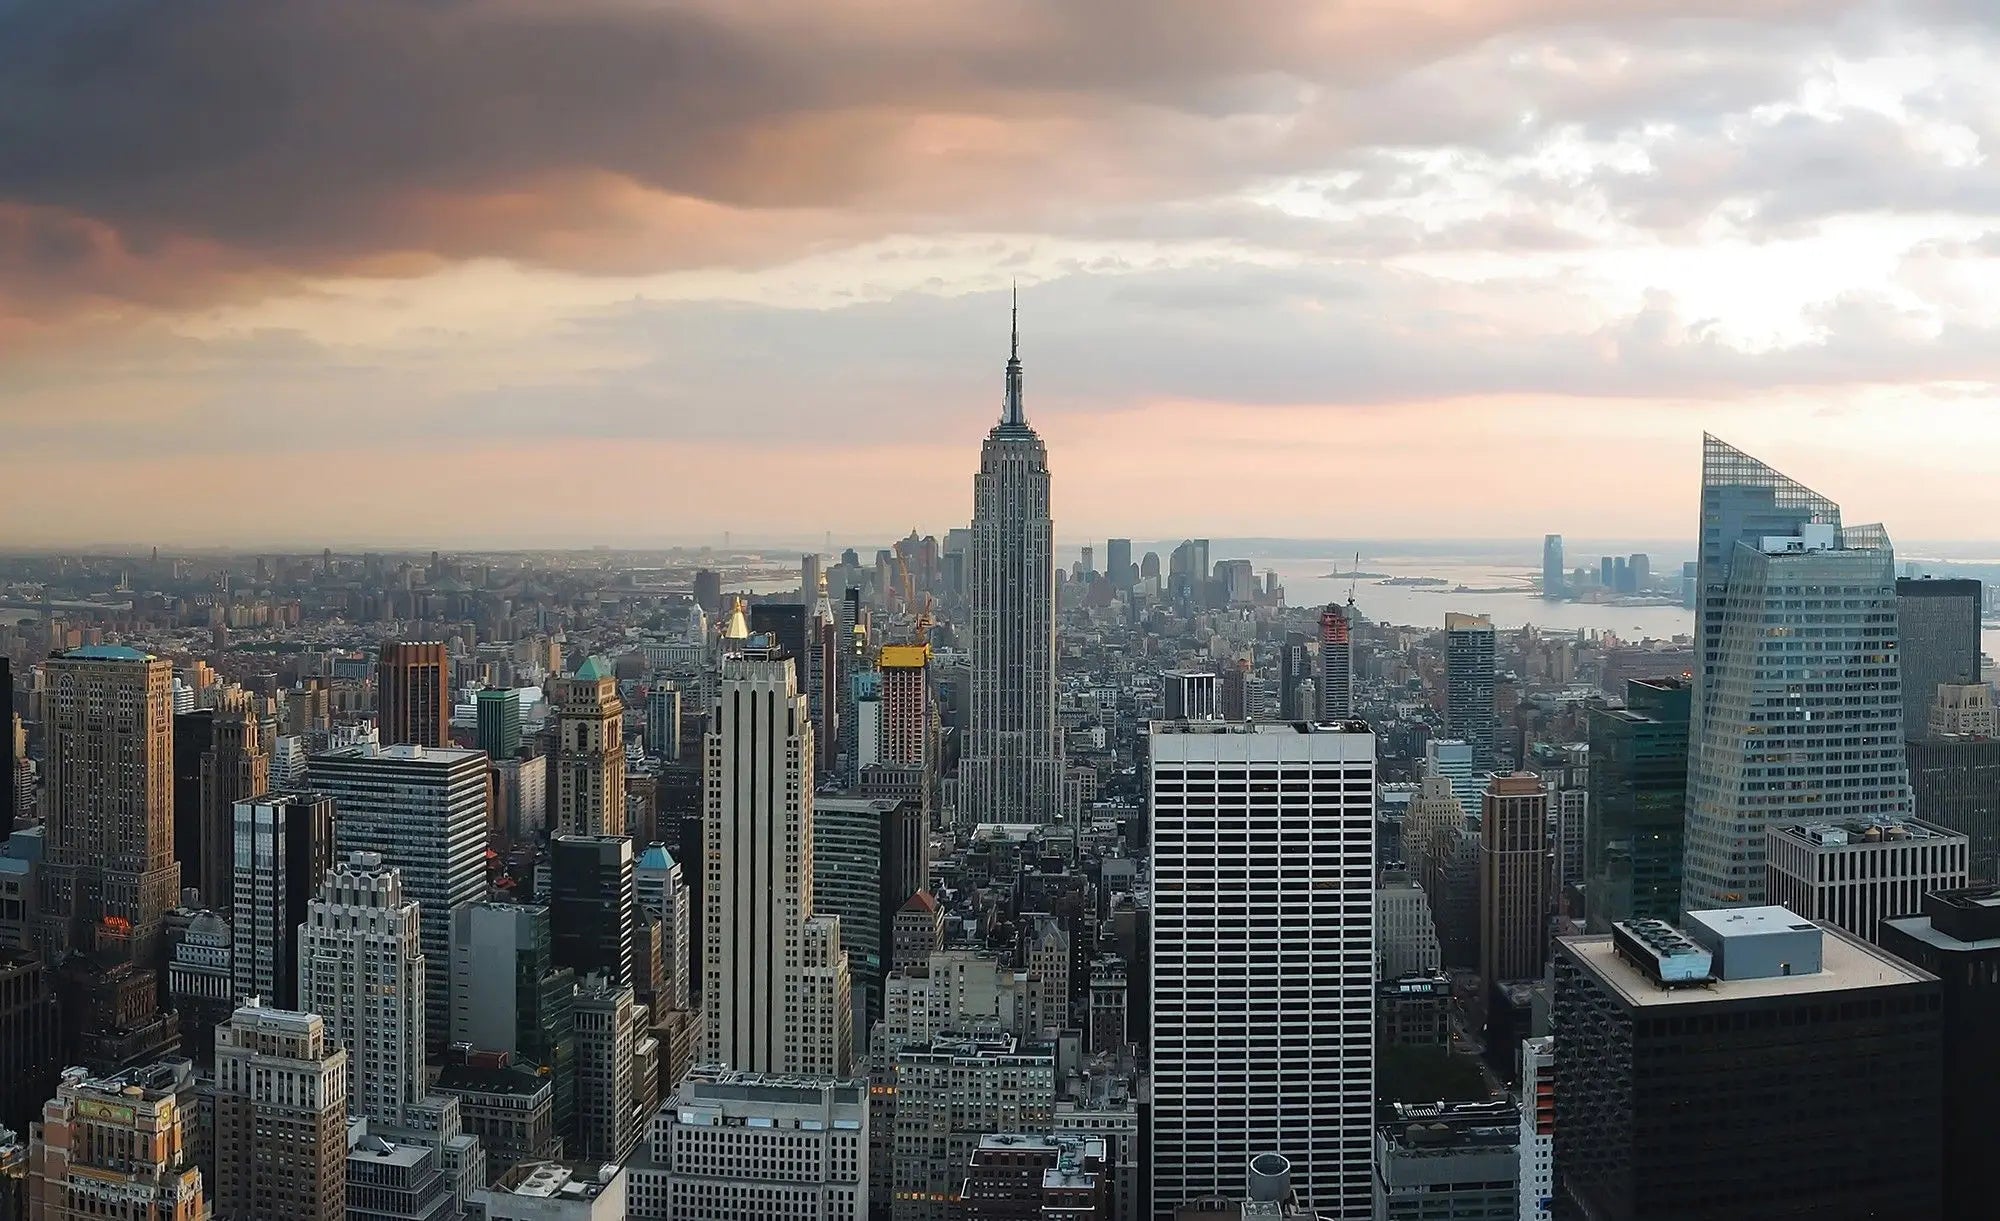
(550, 1191)
(1030, 1177)
(1413, 1011)
(733, 1146)
(1452, 1161)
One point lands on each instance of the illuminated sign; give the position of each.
(109, 1112)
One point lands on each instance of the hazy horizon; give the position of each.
(581, 270)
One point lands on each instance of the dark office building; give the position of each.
(413, 694)
(785, 624)
(1638, 799)
(708, 591)
(194, 735)
(499, 710)
(1956, 781)
(1413, 1010)
(284, 847)
(6, 749)
(30, 1039)
(1754, 1066)
(593, 905)
(1937, 629)
(1118, 563)
(869, 856)
(1957, 939)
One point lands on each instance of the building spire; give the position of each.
(1010, 410)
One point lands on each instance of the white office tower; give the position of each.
(1856, 875)
(423, 810)
(775, 990)
(1452, 759)
(1263, 852)
(1798, 712)
(732, 1146)
(1012, 769)
(1538, 1129)
(361, 967)
(662, 892)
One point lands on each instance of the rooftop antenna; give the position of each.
(1353, 579)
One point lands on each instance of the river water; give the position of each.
(1306, 584)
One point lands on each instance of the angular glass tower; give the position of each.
(1798, 707)
(1013, 764)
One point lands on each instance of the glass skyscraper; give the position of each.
(1638, 804)
(1937, 623)
(1469, 658)
(1798, 709)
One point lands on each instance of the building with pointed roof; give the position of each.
(1012, 768)
(1812, 728)
(589, 758)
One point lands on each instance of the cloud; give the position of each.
(385, 136)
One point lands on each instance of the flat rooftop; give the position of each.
(1289, 728)
(1845, 964)
(1862, 833)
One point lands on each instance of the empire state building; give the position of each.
(1012, 768)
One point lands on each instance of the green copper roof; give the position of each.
(108, 652)
(592, 669)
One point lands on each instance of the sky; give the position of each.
(541, 272)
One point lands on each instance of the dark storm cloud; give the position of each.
(148, 146)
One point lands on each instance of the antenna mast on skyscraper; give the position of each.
(1353, 579)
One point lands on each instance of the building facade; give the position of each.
(1633, 842)
(121, 1146)
(423, 810)
(498, 710)
(663, 894)
(282, 845)
(1937, 628)
(949, 1094)
(236, 766)
(1955, 783)
(870, 855)
(413, 693)
(1336, 665)
(361, 968)
(593, 905)
(1957, 939)
(1855, 875)
(1537, 1101)
(589, 759)
(1692, 1066)
(108, 861)
(775, 985)
(1514, 904)
(280, 1118)
(1011, 770)
(1448, 1161)
(1469, 668)
(509, 996)
(1263, 955)
(734, 1146)
(1798, 725)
